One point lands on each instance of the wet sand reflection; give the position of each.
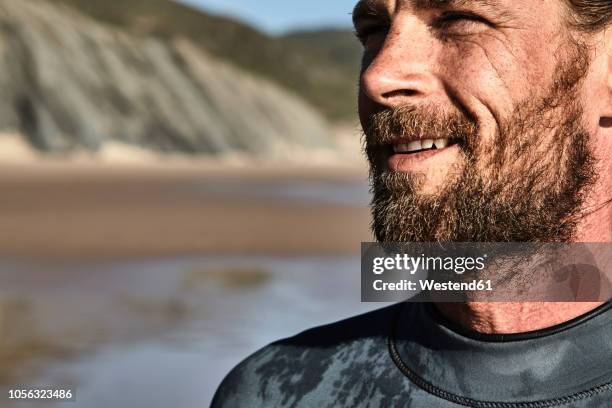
(154, 332)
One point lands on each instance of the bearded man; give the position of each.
(484, 121)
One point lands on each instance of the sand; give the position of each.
(140, 204)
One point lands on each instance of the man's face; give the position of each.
(475, 119)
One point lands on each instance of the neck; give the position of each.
(513, 317)
(521, 317)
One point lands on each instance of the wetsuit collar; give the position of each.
(547, 365)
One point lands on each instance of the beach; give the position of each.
(163, 206)
(117, 264)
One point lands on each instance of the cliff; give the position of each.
(321, 66)
(69, 81)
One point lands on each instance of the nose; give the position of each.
(402, 73)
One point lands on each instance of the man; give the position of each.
(485, 121)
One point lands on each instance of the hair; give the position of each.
(591, 15)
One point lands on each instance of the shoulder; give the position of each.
(286, 370)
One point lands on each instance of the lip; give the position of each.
(405, 163)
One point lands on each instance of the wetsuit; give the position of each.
(407, 355)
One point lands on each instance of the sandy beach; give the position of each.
(85, 208)
(139, 258)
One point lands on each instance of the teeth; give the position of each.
(427, 143)
(441, 143)
(400, 148)
(417, 145)
(414, 146)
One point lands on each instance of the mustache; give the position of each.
(409, 123)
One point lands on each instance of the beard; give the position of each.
(525, 183)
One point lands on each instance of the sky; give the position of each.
(279, 16)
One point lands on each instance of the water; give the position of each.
(355, 193)
(158, 332)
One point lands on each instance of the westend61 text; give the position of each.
(432, 285)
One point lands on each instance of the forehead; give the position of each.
(370, 7)
(423, 4)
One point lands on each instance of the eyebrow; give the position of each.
(427, 4)
(372, 8)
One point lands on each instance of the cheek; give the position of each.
(491, 80)
(479, 87)
(501, 66)
(486, 74)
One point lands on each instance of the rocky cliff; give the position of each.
(68, 82)
(322, 66)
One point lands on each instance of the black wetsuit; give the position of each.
(407, 355)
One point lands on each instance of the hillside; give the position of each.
(325, 79)
(70, 82)
(339, 46)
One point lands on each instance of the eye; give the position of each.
(372, 33)
(460, 23)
